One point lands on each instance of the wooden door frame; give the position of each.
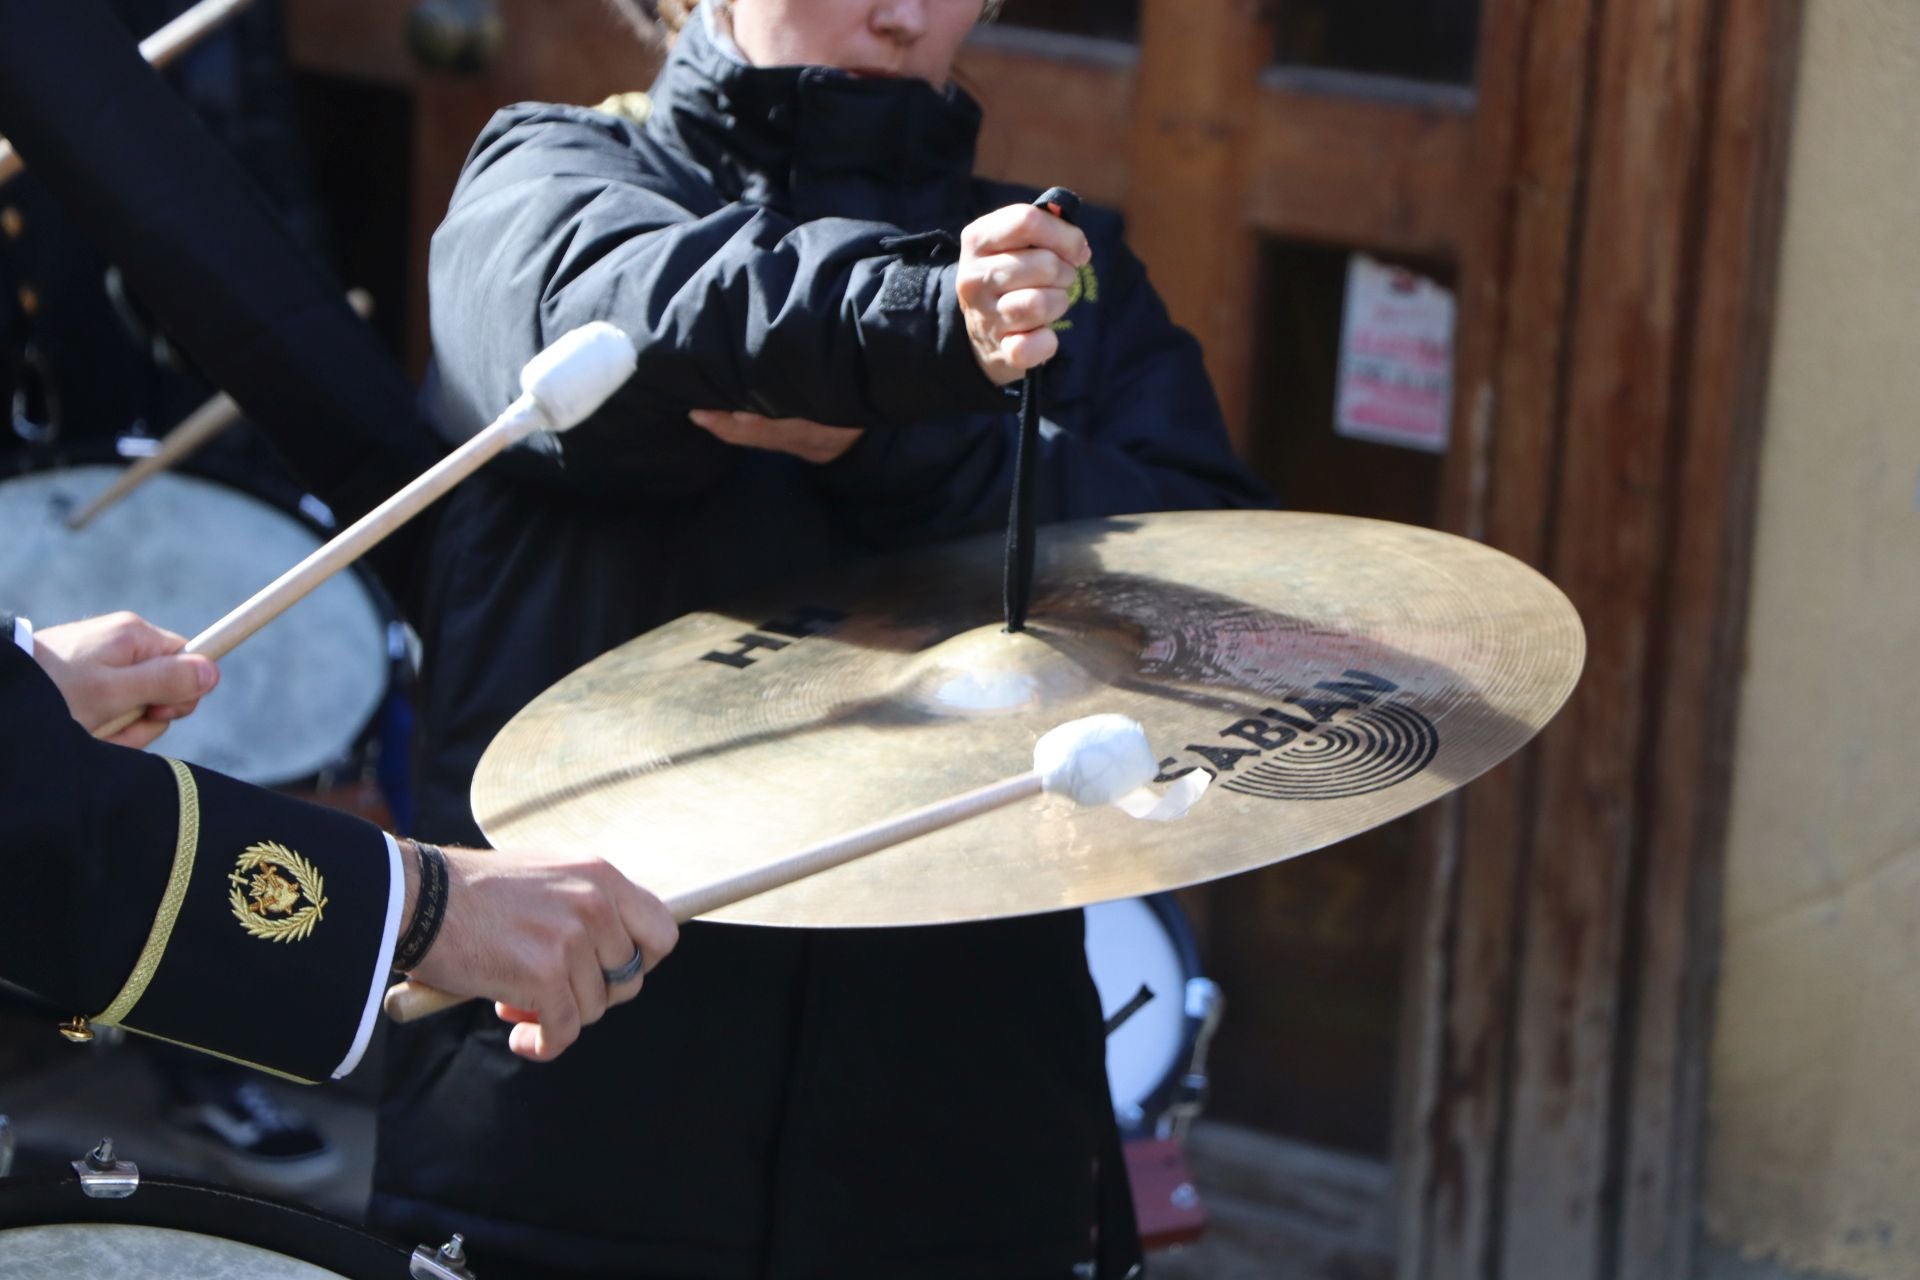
(1610, 192)
(1616, 314)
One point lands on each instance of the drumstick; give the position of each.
(561, 386)
(160, 48)
(187, 438)
(1094, 761)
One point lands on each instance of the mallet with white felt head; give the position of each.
(562, 386)
(1094, 761)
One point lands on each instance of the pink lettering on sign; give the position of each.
(1395, 379)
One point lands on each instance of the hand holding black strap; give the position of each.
(1018, 583)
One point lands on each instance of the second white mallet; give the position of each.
(560, 388)
(1097, 760)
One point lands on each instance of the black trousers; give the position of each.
(782, 1105)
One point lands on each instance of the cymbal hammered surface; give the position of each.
(1332, 673)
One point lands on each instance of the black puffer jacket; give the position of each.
(926, 1103)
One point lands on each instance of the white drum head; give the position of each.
(1127, 946)
(115, 1251)
(181, 552)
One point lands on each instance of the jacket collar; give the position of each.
(816, 142)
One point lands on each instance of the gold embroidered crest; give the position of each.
(269, 905)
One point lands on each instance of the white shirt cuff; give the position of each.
(383, 963)
(23, 634)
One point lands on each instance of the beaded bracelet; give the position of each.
(430, 908)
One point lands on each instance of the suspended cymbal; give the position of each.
(1332, 673)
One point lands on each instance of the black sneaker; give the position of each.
(257, 1141)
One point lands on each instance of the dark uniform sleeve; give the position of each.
(1130, 424)
(177, 902)
(558, 222)
(141, 178)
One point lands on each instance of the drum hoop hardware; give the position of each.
(102, 1177)
(448, 1262)
(1206, 1002)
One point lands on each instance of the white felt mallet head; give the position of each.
(576, 375)
(1096, 760)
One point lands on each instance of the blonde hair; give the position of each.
(674, 14)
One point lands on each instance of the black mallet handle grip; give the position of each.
(1017, 584)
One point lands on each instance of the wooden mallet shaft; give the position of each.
(160, 48)
(409, 1001)
(1093, 761)
(191, 434)
(368, 532)
(362, 536)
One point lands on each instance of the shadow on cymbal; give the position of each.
(1151, 640)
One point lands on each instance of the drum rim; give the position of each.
(1166, 908)
(281, 493)
(175, 1204)
(283, 496)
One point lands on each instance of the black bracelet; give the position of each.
(429, 911)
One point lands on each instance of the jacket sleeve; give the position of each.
(1135, 427)
(138, 176)
(179, 903)
(558, 221)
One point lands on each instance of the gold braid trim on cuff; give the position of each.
(163, 921)
(288, 1076)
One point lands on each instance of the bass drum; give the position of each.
(1160, 1012)
(166, 1230)
(297, 699)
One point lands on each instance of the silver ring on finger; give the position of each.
(626, 972)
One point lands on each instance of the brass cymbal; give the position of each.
(1332, 672)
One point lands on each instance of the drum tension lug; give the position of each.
(448, 1262)
(102, 1177)
(6, 1147)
